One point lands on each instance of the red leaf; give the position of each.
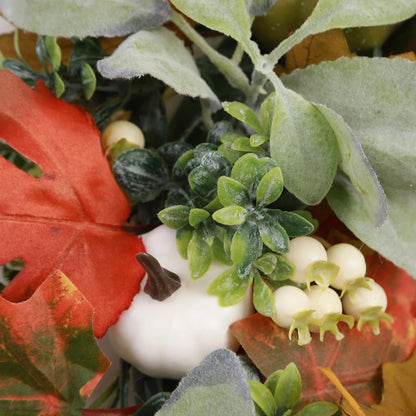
(70, 218)
(49, 359)
(356, 360)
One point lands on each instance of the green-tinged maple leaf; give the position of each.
(356, 360)
(69, 218)
(49, 359)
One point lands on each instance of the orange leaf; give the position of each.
(314, 49)
(70, 217)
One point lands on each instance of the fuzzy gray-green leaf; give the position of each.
(170, 62)
(67, 18)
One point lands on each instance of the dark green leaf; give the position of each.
(199, 256)
(176, 216)
(288, 388)
(232, 192)
(141, 173)
(263, 299)
(87, 50)
(152, 405)
(273, 235)
(220, 129)
(230, 215)
(202, 149)
(270, 187)
(196, 215)
(262, 396)
(246, 247)
(172, 151)
(21, 70)
(243, 113)
(203, 178)
(295, 225)
(229, 287)
(185, 163)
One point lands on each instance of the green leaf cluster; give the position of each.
(280, 394)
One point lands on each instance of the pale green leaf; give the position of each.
(270, 187)
(331, 14)
(263, 299)
(258, 7)
(304, 146)
(169, 62)
(80, 18)
(375, 97)
(230, 215)
(262, 396)
(288, 388)
(217, 387)
(199, 256)
(243, 113)
(232, 192)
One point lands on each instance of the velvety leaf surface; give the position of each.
(69, 218)
(356, 360)
(78, 18)
(375, 98)
(49, 360)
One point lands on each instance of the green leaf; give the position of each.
(283, 270)
(196, 215)
(170, 62)
(218, 385)
(229, 287)
(319, 409)
(257, 140)
(230, 215)
(331, 14)
(243, 113)
(266, 263)
(263, 299)
(88, 80)
(141, 173)
(176, 216)
(304, 146)
(246, 246)
(203, 178)
(185, 163)
(54, 52)
(243, 144)
(59, 86)
(232, 192)
(262, 396)
(272, 380)
(199, 256)
(288, 388)
(267, 112)
(374, 97)
(183, 237)
(295, 225)
(219, 252)
(229, 17)
(273, 235)
(78, 18)
(270, 187)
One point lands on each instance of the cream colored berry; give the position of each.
(121, 129)
(351, 263)
(303, 251)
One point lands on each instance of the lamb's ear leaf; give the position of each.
(219, 384)
(81, 19)
(172, 63)
(331, 14)
(373, 96)
(258, 7)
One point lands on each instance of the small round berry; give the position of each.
(121, 129)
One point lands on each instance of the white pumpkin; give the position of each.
(168, 338)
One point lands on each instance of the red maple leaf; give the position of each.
(69, 218)
(49, 360)
(356, 360)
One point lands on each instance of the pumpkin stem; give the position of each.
(161, 283)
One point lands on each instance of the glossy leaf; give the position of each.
(170, 62)
(218, 384)
(58, 364)
(229, 287)
(356, 359)
(243, 113)
(199, 256)
(141, 173)
(270, 187)
(76, 18)
(246, 246)
(266, 263)
(232, 192)
(230, 215)
(263, 299)
(197, 215)
(295, 225)
(70, 217)
(175, 216)
(273, 235)
(363, 87)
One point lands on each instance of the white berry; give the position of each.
(121, 129)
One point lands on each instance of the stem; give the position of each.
(232, 72)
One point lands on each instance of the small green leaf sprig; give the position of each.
(231, 215)
(280, 394)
